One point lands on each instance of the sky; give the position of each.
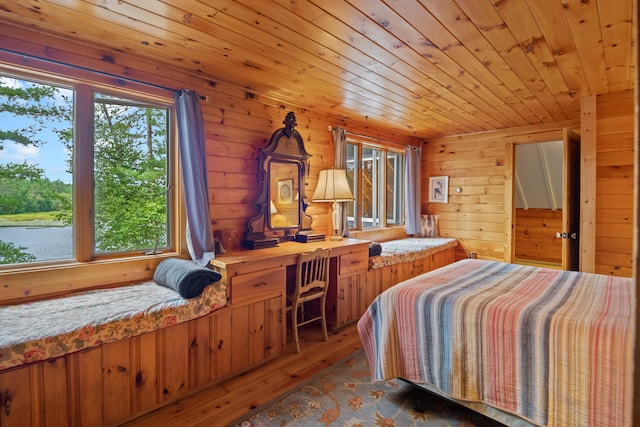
(50, 156)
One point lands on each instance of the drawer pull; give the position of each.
(259, 285)
(355, 262)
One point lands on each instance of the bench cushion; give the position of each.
(409, 249)
(51, 328)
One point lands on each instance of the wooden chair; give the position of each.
(312, 280)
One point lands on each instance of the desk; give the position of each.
(256, 288)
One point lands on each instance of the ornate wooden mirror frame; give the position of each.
(283, 168)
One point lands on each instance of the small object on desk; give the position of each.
(308, 236)
(260, 244)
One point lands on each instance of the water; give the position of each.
(46, 243)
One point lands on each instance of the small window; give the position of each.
(377, 185)
(68, 194)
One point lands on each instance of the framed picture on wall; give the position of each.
(285, 192)
(438, 189)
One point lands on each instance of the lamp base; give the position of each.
(334, 237)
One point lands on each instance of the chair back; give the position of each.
(313, 271)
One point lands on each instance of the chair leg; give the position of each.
(323, 320)
(294, 325)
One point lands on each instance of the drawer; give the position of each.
(355, 262)
(258, 286)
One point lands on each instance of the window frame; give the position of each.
(399, 179)
(29, 281)
(359, 143)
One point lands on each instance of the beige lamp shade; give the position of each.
(332, 187)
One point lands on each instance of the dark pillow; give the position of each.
(184, 276)
(375, 249)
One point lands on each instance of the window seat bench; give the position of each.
(409, 249)
(404, 258)
(52, 328)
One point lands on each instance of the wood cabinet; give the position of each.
(356, 289)
(381, 279)
(257, 332)
(17, 407)
(257, 298)
(110, 383)
(261, 273)
(258, 327)
(347, 298)
(146, 371)
(64, 391)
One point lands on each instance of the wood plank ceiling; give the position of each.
(420, 67)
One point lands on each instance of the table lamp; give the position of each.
(333, 187)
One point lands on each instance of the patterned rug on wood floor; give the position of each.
(344, 396)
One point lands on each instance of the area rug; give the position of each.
(344, 396)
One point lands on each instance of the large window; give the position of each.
(84, 173)
(376, 178)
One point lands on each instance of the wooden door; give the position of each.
(248, 326)
(571, 202)
(15, 398)
(562, 230)
(275, 327)
(538, 203)
(116, 381)
(259, 332)
(55, 391)
(346, 304)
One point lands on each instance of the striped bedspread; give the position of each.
(554, 347)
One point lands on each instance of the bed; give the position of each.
(524, 345)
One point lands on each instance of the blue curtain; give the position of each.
(340, 162)
(194, 176)
(412, 187)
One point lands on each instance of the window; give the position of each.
(130, 174)
(376, 178)
(85, 173)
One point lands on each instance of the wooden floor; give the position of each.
(222, 403)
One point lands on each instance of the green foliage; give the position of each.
(130, 177)
(130, 167)
(24, 188)
(42, 104)
(10, 254)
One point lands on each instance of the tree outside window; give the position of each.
(129, 179)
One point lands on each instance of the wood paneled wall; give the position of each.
(238, 122)
(475, 163)
(535, 235)
(614, 183)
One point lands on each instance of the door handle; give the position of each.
(573, 235)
